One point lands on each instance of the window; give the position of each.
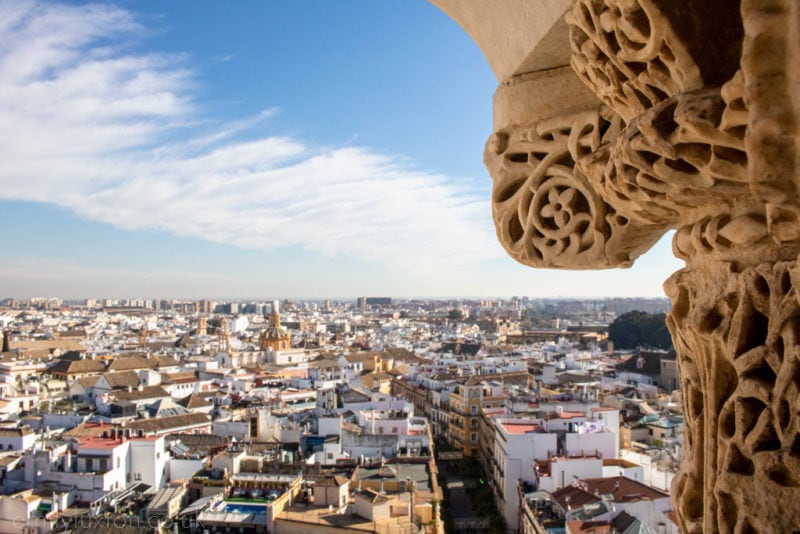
(474, 410)
(473, 437)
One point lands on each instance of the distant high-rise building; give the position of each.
(204, 306)
(378, 301)
(362, 302)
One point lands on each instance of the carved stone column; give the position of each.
(693, 127)
(671, 115)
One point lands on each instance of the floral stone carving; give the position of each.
(545, 212)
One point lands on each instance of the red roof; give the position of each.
(520, 428)
(100, 443)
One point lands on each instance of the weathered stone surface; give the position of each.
(736, 334)
(691, 122)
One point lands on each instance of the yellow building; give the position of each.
(275, 337)
(466, 402)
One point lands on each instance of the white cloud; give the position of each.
(113, 135)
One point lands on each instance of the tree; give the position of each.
(455, 314)
(6, 347)
(640, 329)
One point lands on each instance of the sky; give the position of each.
(256, 149)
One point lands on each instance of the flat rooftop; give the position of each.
(417, 472)
(512, 427)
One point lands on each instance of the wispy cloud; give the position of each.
(115, 136)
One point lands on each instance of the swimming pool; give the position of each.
(239, 508)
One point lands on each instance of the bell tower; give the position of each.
(275, 337)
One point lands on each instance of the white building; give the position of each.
(149, 460)
(16, 439)
(518, 444)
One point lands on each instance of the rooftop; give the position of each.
(521, 427)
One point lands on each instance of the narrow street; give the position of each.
(461, 509)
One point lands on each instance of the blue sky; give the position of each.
(255, 149)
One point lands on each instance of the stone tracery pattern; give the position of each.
(637, 53)
(674, 160)
(736, 334)
(630, 54)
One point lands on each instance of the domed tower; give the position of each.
(275, 337)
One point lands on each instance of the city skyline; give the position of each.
(304, 151)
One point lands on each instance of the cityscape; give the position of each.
(399, 267)
(372, 414)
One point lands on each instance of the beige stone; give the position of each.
(516, 36)
(670, 114)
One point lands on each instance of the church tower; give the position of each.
(224, 336)
(275, 337)
(202, 326)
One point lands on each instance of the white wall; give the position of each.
(149, 462)
(520, 452)
(329, 426)
(610, 419)
(238, 429)
(564, 471)
(604, 442)
(634, 472)
(18, 443)
(184, 469)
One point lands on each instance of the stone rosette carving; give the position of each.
(546, 213)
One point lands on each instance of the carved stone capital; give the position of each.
(689, 119)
